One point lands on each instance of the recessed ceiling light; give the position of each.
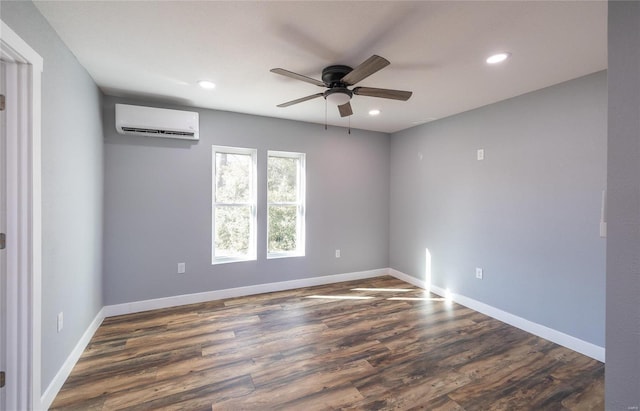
(498, 58)
(374, 112)
(206, 84)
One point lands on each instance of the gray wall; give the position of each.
(72, 172)
(158, 205)
(623, 246)
(528, 214)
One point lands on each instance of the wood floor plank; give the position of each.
(197, 397)
(401, 349)
(93, 394)
(300, 388)
(172, 390)
(333, 398)
(443, 403)
(125, 363)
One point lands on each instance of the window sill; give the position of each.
(283, 255)
(228, 260)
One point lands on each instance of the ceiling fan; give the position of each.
(338, 78)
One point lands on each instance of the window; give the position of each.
(285, 204)
(234, 204)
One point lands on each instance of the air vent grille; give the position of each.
(159, 132)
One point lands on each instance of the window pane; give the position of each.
(282, 179)
(233, 231)
(282, 228)
(233, 178)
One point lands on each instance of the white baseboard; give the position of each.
(56, 384)
(409, 279)
(583, 347)
(138, 306)
(557, 337)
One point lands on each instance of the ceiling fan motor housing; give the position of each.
(332, 75)
(338, 93)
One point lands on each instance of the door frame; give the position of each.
(24, 313)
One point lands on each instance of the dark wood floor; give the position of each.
(395, 350)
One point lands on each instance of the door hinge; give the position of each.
(3, 241)
(2, 103)
(1, 379)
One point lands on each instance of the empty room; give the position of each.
(318, 205)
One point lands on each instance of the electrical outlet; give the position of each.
(60, 321)
(182, 268)
(337, 253)
(479, 273)
(480, 154)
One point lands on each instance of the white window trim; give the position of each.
(252, 255)
(300, 229)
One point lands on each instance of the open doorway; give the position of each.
(3, 230)
(20, 262)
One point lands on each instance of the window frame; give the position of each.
(253, 183)
(300, 205)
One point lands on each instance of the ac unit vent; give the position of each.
(157, 131)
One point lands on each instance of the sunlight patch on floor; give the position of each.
(340, 297)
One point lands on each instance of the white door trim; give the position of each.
(26, 215)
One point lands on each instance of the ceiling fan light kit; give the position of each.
(338, 95)
(338, 78)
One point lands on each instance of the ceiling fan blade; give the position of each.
(345, 109)
(297, 76)
(364, 70)
(382, 93)
(300, 100)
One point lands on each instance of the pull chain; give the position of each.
(349, 124)
(325, 113)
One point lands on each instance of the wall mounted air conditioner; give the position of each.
(157, 122)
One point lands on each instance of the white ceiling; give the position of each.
(158, 50)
